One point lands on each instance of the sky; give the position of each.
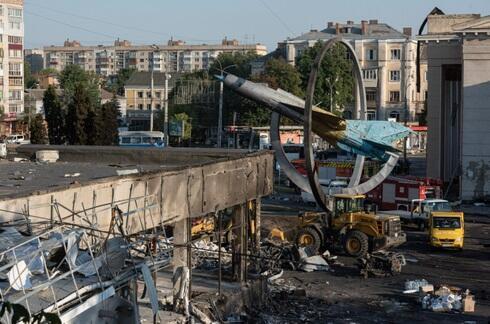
(94, 22)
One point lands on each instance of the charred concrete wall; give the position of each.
(175, 192)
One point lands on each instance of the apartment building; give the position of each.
(175, 56)
(11, 66)
(388, 61)
(139, 101)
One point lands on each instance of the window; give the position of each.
(158, 94)
(15, 95)
(140, 106)
(142, 60)
(15, 40)
(395, 115)
(159, 106)
(371, 54)
(148, 106)
(15, 69)
(370, 74)
(13, 12)
(148, 94)
(15, 53)
(140, 94)
(15, 81)
(371, 115)
(371, 95)
(14, 24)
(396, 54)
(395, 75)
(394, 96)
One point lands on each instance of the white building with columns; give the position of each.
(388, 60)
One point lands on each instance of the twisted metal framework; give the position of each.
(311, 183)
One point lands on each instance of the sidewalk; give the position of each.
(476, 210)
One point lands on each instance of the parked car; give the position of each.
(16, 139)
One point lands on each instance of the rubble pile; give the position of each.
(381, 264)
(443, 299)
(206, 256)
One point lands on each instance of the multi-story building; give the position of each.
(458, 118)
(387, 58)
(11, 65)
(139, 101)
(176, 56)
(35, 59)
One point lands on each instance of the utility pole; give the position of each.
(220, 109)
(165, 110)
(220, 114)
(151, 96)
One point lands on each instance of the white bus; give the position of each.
(141, 138)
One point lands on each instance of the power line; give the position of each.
(70, 25)
(277, 16)
(132, 28)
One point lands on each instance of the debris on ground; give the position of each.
(413, 286)
(206, 255)
(381, 264)
(443, 299)
(72, 175)
(311, 262)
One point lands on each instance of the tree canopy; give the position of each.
(54, 116)
(335, 73)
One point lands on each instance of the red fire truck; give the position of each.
(396, 193)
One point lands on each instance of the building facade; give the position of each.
(176, 56)
(11, 66)
(139, 101)
(387, 58)
(458, 150)
(35, 59)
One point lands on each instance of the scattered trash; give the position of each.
(413, 286)
(127, 172)
(47, 156)
(72, 175)
(314, 263)
(381, 264)
(443, 299)
(19, 276)
(18, 159)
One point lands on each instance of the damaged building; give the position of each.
(101, 231)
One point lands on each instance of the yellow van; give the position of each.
(446, 229)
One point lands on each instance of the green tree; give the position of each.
(29, 81)
(54, 117)
(78, 111)
(72, 77)
(107, 123)
(237, 64)
(120, 80)
(277, 74)
(39, 134)
(183, 117)
(335, 70)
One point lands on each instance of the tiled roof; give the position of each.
(377, 31)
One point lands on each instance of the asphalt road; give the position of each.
(342, 296)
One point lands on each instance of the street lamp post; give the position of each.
(165, 110)
(220, 109)
(152, 85)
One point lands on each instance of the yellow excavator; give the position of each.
(350, 225)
